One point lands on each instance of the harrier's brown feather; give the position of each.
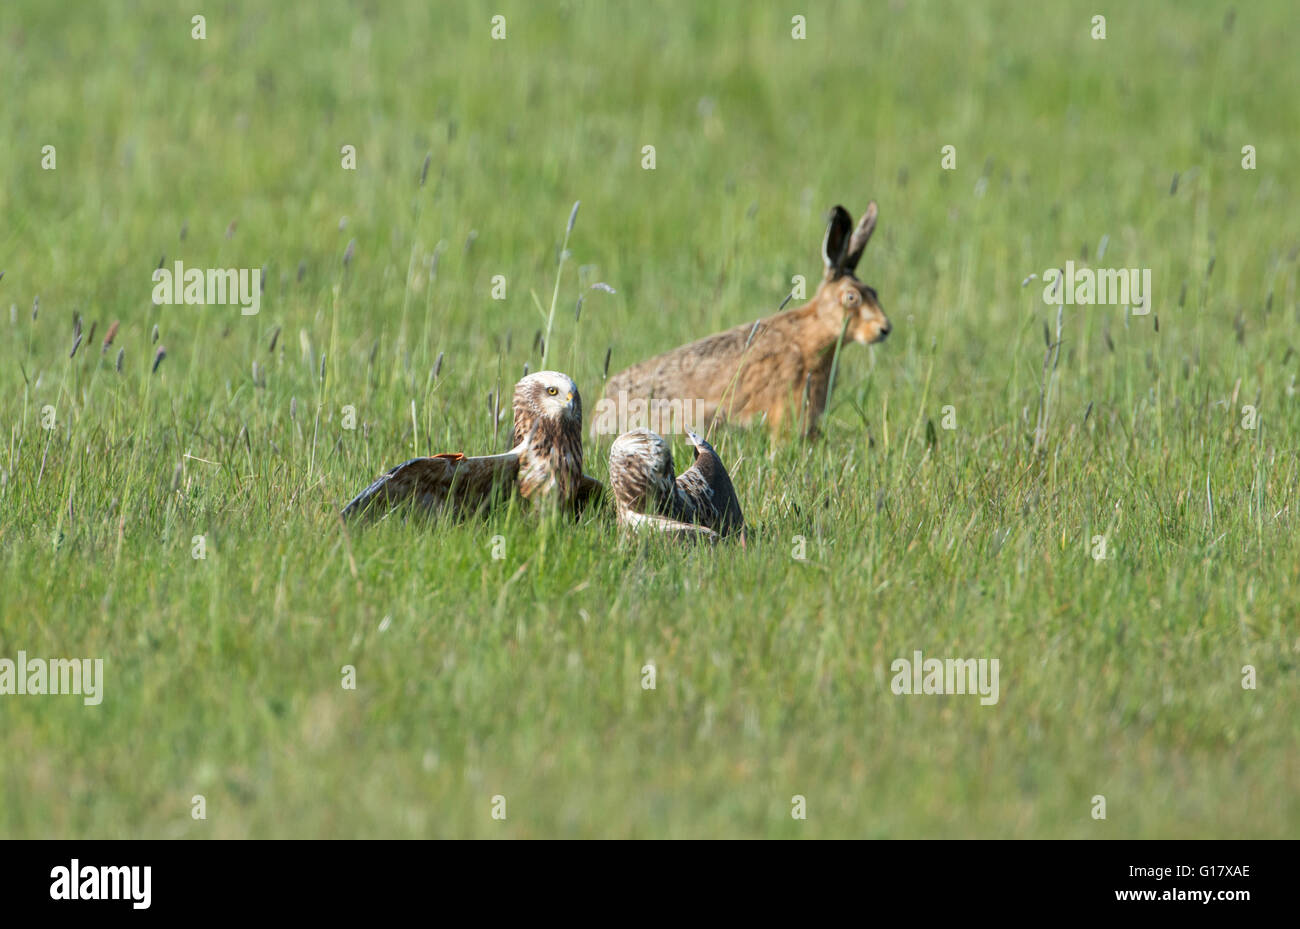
(464, 484)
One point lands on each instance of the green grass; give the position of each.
(522, 676)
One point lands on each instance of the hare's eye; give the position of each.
(552, 391)
(850, 298)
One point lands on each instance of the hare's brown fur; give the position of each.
(784, 369)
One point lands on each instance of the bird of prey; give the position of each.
(699, 505)
(707, 485)
(544, 464)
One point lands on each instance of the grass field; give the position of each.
(522, 676)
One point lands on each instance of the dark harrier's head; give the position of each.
(706, 459)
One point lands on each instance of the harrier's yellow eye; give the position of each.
(552, 391)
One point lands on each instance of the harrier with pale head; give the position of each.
(544, 464)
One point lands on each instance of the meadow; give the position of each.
(968, 467)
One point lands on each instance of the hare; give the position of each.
(778, 366)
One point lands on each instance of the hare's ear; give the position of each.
(836, 241)
(861, 235)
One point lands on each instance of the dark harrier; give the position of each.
(701, 504)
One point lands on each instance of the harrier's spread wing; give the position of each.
(707, 485)
(431, 483)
